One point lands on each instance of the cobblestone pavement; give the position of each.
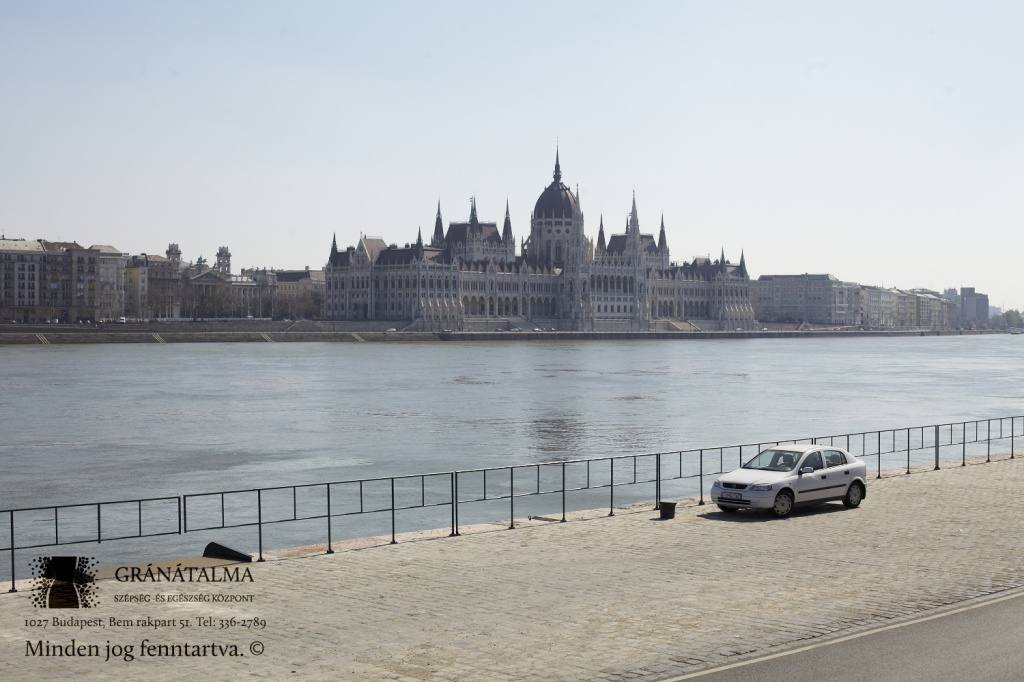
(628, 597)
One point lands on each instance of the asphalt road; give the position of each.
(977, 643)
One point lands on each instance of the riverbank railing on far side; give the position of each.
(485, 495)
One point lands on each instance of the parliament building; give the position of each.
(469, 277)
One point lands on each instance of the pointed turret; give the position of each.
(633, 227)
(438, 228)
(743, 264)
(419, 243)
(721, 260)
(600, 236)
(558, 168)
(506, 231)
(474, 222)
(334, 247)
(662, 242)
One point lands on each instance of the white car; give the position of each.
(785, 476)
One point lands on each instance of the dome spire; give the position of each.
(558, 167)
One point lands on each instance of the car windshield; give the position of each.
(774, 460)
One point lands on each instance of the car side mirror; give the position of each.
(807, 470)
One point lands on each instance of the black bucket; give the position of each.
(668, 509)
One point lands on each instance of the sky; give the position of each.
(878, 141)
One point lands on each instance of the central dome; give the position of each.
(557, 200)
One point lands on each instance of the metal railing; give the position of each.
(590, 483)
(92, 522)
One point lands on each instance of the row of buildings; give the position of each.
(469, 275)
(65, 282)
(824, 300)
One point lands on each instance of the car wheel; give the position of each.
(728, 510)
(853, 496)
(783, 504)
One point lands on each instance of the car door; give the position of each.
(811, 486)
(838, 471)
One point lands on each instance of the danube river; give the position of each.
(92, 423)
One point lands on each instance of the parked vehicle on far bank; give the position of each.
(785, 476)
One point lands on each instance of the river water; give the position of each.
(91, 423)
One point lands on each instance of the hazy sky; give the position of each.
(882, 142)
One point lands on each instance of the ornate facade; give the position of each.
(471, 278)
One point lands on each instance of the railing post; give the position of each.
(393, 540)
(99, 523)
(455, 504)
(879, 454)
(963, 447)
(563, 492)
(181, 515)
(611, 487)
(700, 473)
(1013, 424)
(511, 498)
(936, 447)
(140, 518)
(988, 441)
(330, 549)
(13, 588)
(908, 451)
(259, 519)
(657, 482)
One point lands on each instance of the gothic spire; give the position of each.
(600, 235)
(662, 242)
(438, 228)
(506, 231)
(474, 222)
(558, 168)
(634, 222)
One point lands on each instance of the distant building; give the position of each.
(111, 298)
(973, 307)
(471, 278)
(41, 280)
(300, 293)
(814, 299)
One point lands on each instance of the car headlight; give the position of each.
(715, 484)
(761, 486)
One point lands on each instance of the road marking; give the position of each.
(690, 676)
